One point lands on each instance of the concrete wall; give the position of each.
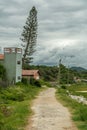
(14, 70)
(18, 67)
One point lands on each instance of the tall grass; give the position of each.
(78, 110)
(15, 104)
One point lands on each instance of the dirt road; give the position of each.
(49, 114)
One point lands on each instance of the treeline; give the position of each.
(47, 73)
(51, 73)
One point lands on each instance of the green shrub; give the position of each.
(32, 81)
(13, 93)
(63, 87)
(35, 82)
(25, 81)
(18, 83)
(2, 72)
(15, 106)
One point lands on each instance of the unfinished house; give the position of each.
(12, 61)
(31, 74)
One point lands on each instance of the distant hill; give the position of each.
(78, 69)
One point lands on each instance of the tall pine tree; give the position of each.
(29, 36)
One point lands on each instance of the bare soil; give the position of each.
(49, 114)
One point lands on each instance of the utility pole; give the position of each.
(59, 73)
(68, 75)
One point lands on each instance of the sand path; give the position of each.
(49, 114)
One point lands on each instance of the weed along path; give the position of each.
(49, 114)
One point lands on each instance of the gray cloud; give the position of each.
(61, 32)
(71, 55)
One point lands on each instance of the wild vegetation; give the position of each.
(79, 110)
(78, 89)
(51, 73)
(2, 72)
(3, 76)
(15, 100)
(15, 104)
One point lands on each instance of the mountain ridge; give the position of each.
(78, 68)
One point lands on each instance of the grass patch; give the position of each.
(15, 106)
(78, 110)
(76, 89)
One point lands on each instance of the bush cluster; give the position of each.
(31, 81)
(35, 82)
(13, 93)
(63, 87)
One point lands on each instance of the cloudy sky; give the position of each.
(62, 29)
